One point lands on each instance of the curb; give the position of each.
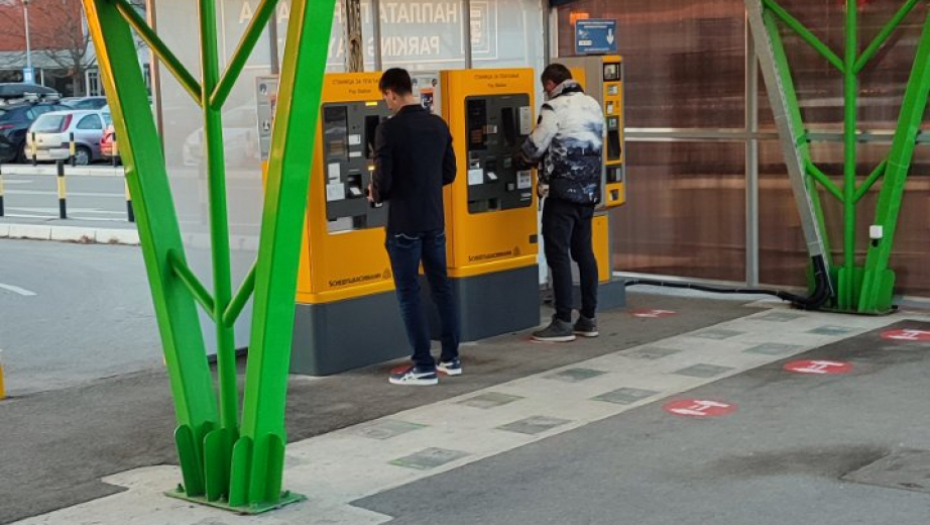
(70, 234)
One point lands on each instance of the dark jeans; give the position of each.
(567, 234)
(407, 251)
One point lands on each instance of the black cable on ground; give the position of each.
(816, 300)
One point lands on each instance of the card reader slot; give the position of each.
(371, 129)
(509, 119)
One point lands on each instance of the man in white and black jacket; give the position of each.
(568, 141)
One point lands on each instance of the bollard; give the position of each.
(1, 193)
(72, 150)
(2, 388)
(131, 214)
(62, 204)
(34, 148)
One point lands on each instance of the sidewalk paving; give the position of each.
(55, 447)
(520, 430)
(69, 230)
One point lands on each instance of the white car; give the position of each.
(53, 131)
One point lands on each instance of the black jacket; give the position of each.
(414, 159)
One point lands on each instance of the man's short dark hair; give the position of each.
(557, 73)
(396, 80)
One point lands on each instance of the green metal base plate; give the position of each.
(287, 498)
(857, 312)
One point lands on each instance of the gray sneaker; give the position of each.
(586, 327)
(558, 331)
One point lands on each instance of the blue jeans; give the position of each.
(407, 251)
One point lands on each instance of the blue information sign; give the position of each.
(595, 37)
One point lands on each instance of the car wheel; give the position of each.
(82, 156)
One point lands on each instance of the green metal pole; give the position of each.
(795, 25)
(848, 289)
(242, 297)
(873, 178)
(219, 227)
(258, 457)
(159, 231)
(884, 34)
(878, 284)
(159, 49)
(259, 20)
(823, 179)
(797, 124)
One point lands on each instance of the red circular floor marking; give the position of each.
(699, 408)
(906, 335)
(819, 367)
(649, 313)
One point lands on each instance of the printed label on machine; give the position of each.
(475, 177)
(526, 120)
(355, 140)
(334, 172)
(335, 192)
(524, 180)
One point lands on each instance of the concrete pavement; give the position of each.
(556, 433)
(56, 446)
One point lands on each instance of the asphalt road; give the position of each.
(73, 313)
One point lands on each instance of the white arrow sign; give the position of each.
(610, 36)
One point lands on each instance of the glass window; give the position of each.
(684, 60)
(686, 211)
(49, 123)
(90, 122)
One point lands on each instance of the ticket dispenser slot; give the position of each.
(349, 135)
(614, 148)
(495, 138)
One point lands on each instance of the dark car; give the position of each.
(14, 121)
(85, 102)
(19, 91)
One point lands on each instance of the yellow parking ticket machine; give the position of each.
(347, 314)
(602, 78)
(491, 209)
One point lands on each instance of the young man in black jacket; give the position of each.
(414, 159)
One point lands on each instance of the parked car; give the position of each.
(240, 139)
(11, 93)
(53, 134)
(106, 144)
(14, 121)
(109, 137)
(85, 102)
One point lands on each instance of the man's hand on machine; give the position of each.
(542, 190)
(370, 194)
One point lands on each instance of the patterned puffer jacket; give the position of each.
(569, 137)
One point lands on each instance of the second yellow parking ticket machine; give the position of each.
(491, 209)
(347, 314)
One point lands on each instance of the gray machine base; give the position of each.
(335, 337)
(493, 304)
(610, 295)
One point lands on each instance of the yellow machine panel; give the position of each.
(344, 255)
(491, 209)
(492, 206)
(600, 237)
